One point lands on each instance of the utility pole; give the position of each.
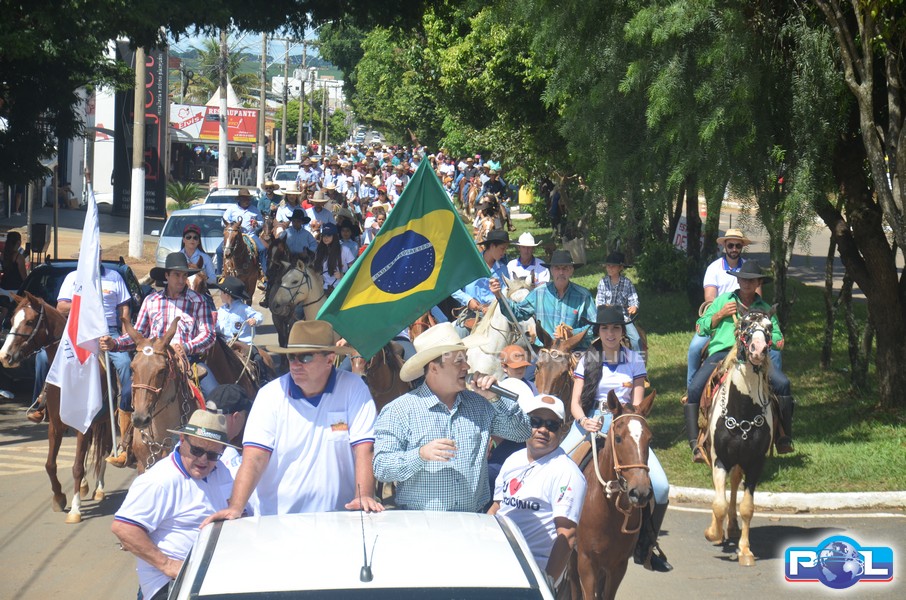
(301, 100)
(323, 113)
(137, 191)
(282, 152)
(223, 160)
(262, 149)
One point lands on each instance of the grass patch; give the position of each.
(844, 441)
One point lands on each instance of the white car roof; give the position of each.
(407, 549)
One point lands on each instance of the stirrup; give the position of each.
(698, 456)
(784, 445)
(36, 415)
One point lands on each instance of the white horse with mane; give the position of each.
(497, 328)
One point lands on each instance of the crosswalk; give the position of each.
(29, 457)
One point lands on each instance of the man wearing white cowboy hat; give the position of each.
(195, 332)
(319, 213)
(559, 301)
(433, 440)
(528, 265)
(309, 439)
(719, 280)
(541, 489)
(160, 517)
(270, 198)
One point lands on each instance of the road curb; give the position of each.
(800, 501)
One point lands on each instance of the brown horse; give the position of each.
(618, 489)
(300, 286)
(421, 325)
(474, 190)
(162, 397)
(556, 363)
(382, 374)
(240, 257)
(228, 366)
(37, 325)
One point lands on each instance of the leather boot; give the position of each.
(647, 552)
(690, 411)
(125, 423)
(37, 413)
(783, 442)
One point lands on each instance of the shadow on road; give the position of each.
(769, 542)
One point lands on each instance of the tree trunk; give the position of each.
(693, 242)
(830, 310)
(858, 356)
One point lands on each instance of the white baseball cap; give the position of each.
(551, 403)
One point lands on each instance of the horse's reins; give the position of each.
(306, 279)
(34, 331)
(618, 485)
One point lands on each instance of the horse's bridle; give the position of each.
(34, 331)
(294, 291)
(618, 486)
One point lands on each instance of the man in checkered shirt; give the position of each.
(195, 332)
(433, 440)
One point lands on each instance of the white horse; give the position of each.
(495, 326)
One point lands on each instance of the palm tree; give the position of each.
(207, 76)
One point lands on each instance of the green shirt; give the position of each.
(724, 335)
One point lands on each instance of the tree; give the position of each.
(207, 75)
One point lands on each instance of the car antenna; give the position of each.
(365, 575)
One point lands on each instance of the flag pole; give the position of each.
(512, 318)
(107, 368)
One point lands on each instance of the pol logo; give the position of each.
(838, 562)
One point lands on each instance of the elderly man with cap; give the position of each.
(160, 517)
(719, 323)
(251, 221)
(433, 440)
(476, 296)
(195, 332)
(719, 280)
(319, 214)
(528, 265)
(309, 440)
(559, 300)
(615, 289)
(541, 489)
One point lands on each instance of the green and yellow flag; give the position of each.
(422, 254)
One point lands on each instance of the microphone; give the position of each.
(497, 389)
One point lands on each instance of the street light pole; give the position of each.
(282, 152)
(301, 100)
(137, 190)
(223, 164)
(262, 149)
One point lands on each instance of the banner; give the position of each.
(422, 254)
(76, 368)
(202, 123)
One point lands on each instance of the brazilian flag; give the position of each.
(422, 254)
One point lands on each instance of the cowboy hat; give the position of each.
(551, 403)
(270, 185)
(527, 239)
(734, 234)
(233, 287)
(434, 343)
(609, 314)
(616, 258)
(307, 337)
(176, 261)
(750, 270)
(298, 213)
(206, 426)
(228, 398)
(319, 198)
(244, 193)
(496, 236)
(559, 258)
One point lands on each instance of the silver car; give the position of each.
(409, 554)
(209, 220)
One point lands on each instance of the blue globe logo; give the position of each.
(403, 263)
(840, 565)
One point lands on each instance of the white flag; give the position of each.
(76, 367)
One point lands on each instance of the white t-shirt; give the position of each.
(170, 506)
(716, 276)
(617, 377)
(312, 465)
(534, 494)
(541, 273)
(113, 288)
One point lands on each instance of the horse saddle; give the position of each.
(250, 244)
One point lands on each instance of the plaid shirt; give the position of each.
(419, 417)
(196, 324)
(622, 294)
(575, 309)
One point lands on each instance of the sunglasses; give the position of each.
(304, 358)
(734, 246)
(191, 236)
(549, 424)
(199, 452)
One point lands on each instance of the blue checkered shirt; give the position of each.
(622, 294)
(575, 309)
(419, 417)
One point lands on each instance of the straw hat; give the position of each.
(434, 343)
(734, 234)
(206, 426)
(307, 337)
(320, 198)
(270, 185)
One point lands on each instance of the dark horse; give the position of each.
(240, 256)
(382, 374)
(740, 429)
(37, 325)
(618, 490)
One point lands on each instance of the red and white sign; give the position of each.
(682, 235)
(203, 123)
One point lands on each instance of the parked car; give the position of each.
(320, 555)
(285, 176)
(209, 220)
(223, 198)
(45, 280)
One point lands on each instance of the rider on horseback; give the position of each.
(476, 296)
(719, 322)
(615, 289)
(251, 221)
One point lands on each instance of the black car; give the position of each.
(45, 280)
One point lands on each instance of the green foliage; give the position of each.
(662, 267)
(240, 72)
(183, 194)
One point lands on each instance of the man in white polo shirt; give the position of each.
(309, 439)
(159, 519)
(541, 489)
(528, 264)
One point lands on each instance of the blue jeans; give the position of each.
(694, 358)
(633, 334)
(659, 484)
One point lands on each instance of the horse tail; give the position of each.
(101, 443)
